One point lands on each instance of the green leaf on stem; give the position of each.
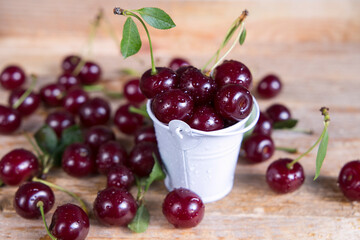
(242, 37)
(156, 18)
(285, 124)
(46, 139)
(72, 135)
(141, 220)
(156, 174)
(321, 152)
(131, 42)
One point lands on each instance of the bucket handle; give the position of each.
(183, 134)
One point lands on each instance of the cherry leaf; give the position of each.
(321, 152)
(156, 18)
(130, 42)
(288, 124)
(156, 174)
(141, 220)
(242, 37)
(46, 139)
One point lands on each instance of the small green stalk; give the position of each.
(40, 205)
(1, 183)
(287, 149)
(140, 111)
(26, 93)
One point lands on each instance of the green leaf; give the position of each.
(141, 220)
(156, 174)
(46, 139)
(242, 37)
(71, 135)
(321, 152)
(288, 124)
(130, 42)
(156, 18)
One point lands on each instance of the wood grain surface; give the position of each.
(314, 46)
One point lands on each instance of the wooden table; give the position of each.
(313, 46)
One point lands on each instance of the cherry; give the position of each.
(258, 148)
(96, 111)
(233, 72)
(74, 99)
(12, 77)
(78, 160)
(233, 102)
(115, 206)
(68, 80)
(90, 73)
(126, 121)
(28, 195)
(172, 104)
(181, 70)
(141, 160)
(70, 62)
(69, 222)
(29, 105)
(183, 208)
(145, 134)
(18, 166)
(164, 80)
(97, 136)
(59, 121)
(281, 179)
(177, 63)
(132, 91)
(278, 112)
(52, 94)
(121, 177)
(10, 120)
(110, 153)
(200, 87)
(206, 119)
(263, 125)
(269, 86)
(349, 180)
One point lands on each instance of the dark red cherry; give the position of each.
(132, 91)
(70, 62)
(258, 148)
(10, 120)
(164, 80)
(110, 153)
(121, 177)
(200, 87)
(59, 121)
(263, 125)
(94, 112)
(145, 134)
(74, 99)
(269, 86)
(349, 180)
(278, 112)
(29, 105)
(115, 206)
(69, 222)
(141, 160)
(281, 179)
(97, 136)
(12, 77)
(28, 195)
(18, 166)
(52, 94)
(233, 102)
(181, 70)
(68, 80)
(126, 121)
(78, 160)
(177, 63)
(205, 118)
(233, 72)
(183, 208)
(172, 104)
(90, 73)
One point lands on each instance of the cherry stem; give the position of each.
(73, 195)
(40, 205)
(35, 147)
(299, 130)
(26, 93)
(287, 149)
(1, 183)
(140, 111)
(101, 88)
(130, 72)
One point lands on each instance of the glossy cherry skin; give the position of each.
(69, 222)
(282, 179)
(258, 148)
(74, 99)
(59, 121)
(96, 136)
(205, 118)
(10, 120)
(29, 105)
(177, 63)
(115, 206)
(68, 80)
(349, 180)
(233, 72)
(121, 177)
(132, 91)
(141, 160)
(278, 112)
(52, 94)
(90, 73)
(70, 62)
(18, 166)
(12, 77)
(110, 153)
(28, 195)
(263, 125)
(164, 80)
(233, 102)
(269, 86)
(94, 112)
(126, 121)
(172, 104)
(200, 87)
(183, 208)
(78, 160)
(145, 134)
